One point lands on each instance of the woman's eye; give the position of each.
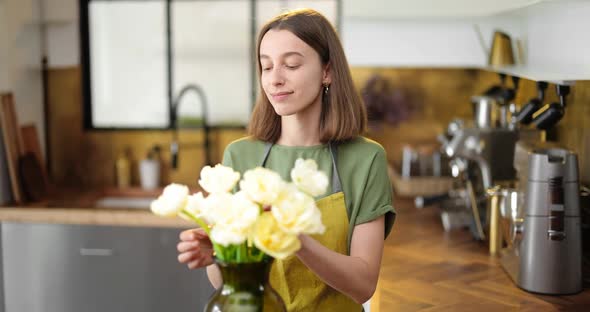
(266, 68)
(292, 66)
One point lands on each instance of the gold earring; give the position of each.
(326, 88)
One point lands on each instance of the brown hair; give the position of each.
(343, 115)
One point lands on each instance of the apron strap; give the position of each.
(336, 185)
(267, 147)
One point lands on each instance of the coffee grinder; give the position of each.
(551, 246)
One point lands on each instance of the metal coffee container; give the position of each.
(551, 247)
(490, 112)
(486, 112)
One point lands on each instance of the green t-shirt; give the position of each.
(361, 163)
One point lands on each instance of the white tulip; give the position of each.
(172, 200)
(315, 223)
(308, 178)
(195, 205)
(262, 185)
(215, 206)
(233, 216)
(296, 212)
(219, 179)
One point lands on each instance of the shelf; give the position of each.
(430, 8)
(561, 75)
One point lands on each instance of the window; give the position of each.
(137, 56)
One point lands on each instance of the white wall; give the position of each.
(426, 33)
(5, 194)
(61, 22)
(380, 9)
(558, 37)
(3, 48)
(20, 59)
(552, 35)
(20, 47)
(422, 42)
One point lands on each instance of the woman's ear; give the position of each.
(327, 74)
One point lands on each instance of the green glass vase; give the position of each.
(245, 288)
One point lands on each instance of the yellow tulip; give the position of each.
(268, 237)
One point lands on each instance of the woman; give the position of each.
(308, 108)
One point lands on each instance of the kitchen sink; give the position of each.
(124, 202)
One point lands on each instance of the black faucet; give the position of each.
(174, 146)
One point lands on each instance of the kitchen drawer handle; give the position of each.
(100, 252)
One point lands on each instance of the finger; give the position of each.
(199, 263)
(183, 246)
(194, 264)
(188, 246)
(188, 235)
(194, 246)
(193, 234)
(188, 256)
(193, 255)
(200, 232)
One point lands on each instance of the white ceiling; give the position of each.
(430, 8)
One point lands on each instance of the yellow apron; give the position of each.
(299, 287)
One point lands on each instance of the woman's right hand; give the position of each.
(195, 249)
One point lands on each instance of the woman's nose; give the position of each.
(277, 78)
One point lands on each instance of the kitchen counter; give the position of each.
(103, 259)
(63, 208)
(91, 216)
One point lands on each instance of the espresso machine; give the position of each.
(481, 153)
(544, 253)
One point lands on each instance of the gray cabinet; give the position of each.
(62, 268)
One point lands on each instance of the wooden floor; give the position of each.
(427, 269)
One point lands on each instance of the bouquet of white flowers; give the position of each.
(263, 218)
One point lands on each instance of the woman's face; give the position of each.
(292, 73)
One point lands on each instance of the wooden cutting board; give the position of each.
(31, 144)
(33, 174)
(31, 141)
(12, 143)
(34, 185)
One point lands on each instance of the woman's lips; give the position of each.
(280, 96)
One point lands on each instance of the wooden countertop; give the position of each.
(65, 208)
(91, 216)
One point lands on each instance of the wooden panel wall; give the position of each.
(444, 94)
(80, 158)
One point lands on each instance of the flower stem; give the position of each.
(199, 221)
(239, 255)
(219, 252)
